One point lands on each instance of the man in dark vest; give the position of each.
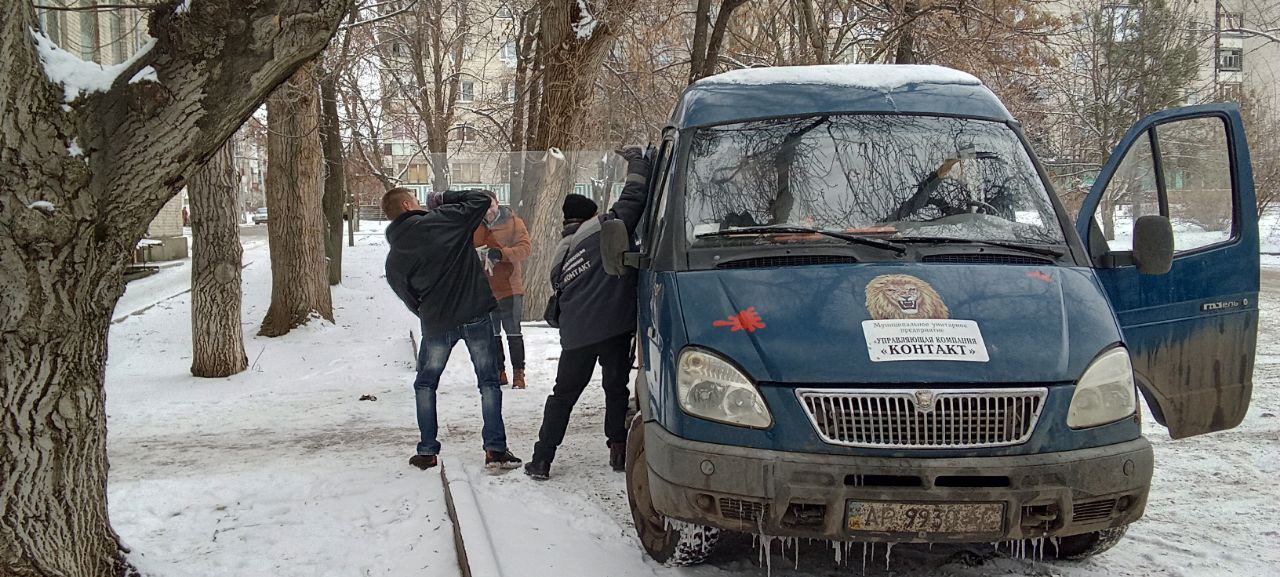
(597, 319)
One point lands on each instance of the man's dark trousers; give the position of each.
(572, 375)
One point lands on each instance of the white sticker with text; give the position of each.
(924, 340)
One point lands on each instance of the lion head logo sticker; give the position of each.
(902, 296)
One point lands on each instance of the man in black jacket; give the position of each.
(597, 319)
(433, 268)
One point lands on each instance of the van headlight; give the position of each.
(711, 388)
(1105, 393)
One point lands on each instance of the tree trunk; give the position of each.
(569, 66)
(717, 37)
(217, 342)
(72, 216)
(555, 179)
(295, 190)
(698, 52)
(335, 179)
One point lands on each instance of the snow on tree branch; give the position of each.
(78, 77)
(586, 24)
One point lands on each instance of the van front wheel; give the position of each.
(668, 541)
(1086, 545)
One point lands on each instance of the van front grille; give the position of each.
(741, 509)
(1092, 510)
(924, 418)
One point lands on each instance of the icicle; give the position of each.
(864, 557)
(835, 548)
(887, 550)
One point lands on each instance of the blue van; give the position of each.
(866, 316)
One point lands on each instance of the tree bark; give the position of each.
(698, 52)
(217, 341)
(80, 179)
(569, 66)
(335, 179)
(295, 190)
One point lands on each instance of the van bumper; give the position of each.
(807, 495)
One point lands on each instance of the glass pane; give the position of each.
(1131, 193)
(1196, 162)
(895, 176)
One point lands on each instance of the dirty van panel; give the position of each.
(1191, 332)
(1037, 324)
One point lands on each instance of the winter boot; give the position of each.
(518, 383)
(539, 470)
(618, 456)
(497, 460)
(423, 462)
(502, 378)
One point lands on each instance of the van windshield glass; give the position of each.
(886, 176)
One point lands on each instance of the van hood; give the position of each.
(805, 325)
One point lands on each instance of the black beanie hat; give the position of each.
(578, 207)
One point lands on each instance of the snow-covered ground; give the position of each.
(281, 470)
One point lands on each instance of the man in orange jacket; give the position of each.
(503, 242)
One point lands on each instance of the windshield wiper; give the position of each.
(1009, 245)
(851, 238)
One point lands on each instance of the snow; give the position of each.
(183, 8)
(586, 24)
(42, 205)
(78, 77)
(147, 73)
(73, 149)
(880, 77)
(281, 471)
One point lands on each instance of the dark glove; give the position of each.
(637, 162)
(631, 153)
(495, 255)
(434, 200)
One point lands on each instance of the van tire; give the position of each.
(1085, 545)
(672, 542)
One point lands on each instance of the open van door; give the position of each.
(1190, 323)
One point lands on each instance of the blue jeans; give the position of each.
(432, 357)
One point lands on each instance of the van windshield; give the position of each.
(886, 176)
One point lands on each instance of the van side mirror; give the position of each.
(1153, 244)
(614, 243)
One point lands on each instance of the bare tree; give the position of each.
(295, 191)
(574, 36)
(217, 341)
(83, 169)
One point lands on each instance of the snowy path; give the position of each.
(282, 471)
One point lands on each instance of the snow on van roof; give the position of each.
(882, 77)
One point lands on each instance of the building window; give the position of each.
(1230, 59)
(1122, 20)
(508, 52)
(1231, 92)
(465, 172)
(509, 91)
(1231, 20)
(386, 149)
(466, 91)
(466, 133)
(399, 49)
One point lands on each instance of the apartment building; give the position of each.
(481, 59)
(111, 36)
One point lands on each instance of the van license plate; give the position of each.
(925, 517)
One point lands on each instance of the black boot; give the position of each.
(539, 470)
(618, 456)
(423, 462)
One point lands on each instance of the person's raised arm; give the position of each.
(465, 206)
(635, 193)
